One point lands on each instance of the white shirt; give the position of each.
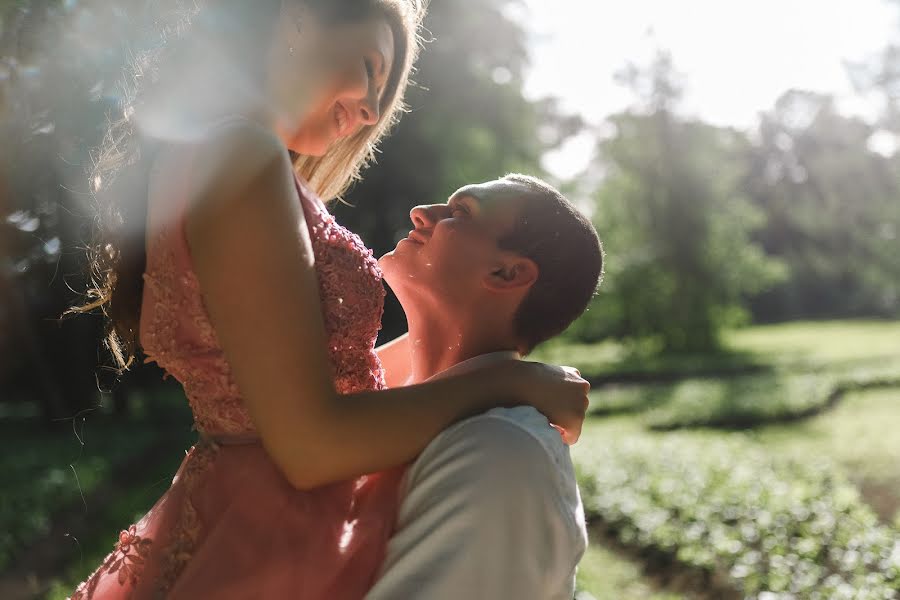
(490, 509)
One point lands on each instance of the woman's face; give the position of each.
(327, 80)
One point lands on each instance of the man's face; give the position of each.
(453, 249)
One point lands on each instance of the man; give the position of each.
(490, 509)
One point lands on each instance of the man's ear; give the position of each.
(513, 273)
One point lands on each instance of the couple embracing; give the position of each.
(435, 466)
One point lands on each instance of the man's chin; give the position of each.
(389, 266)
(386, 261)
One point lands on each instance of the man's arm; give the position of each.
(487, 515)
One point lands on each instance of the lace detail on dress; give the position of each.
(176, 332)
(127, 560)
(194, 359)
(187, 527)
(352, 299)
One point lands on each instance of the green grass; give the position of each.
(797, 346)
(607, 575)
(619, 362)
(810, 367)
(819, 343)
(740, 402)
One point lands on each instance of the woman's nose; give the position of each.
(368, 108)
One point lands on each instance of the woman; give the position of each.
(245, 289)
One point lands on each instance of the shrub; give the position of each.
(775, 528)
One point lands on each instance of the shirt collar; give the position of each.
(476, 362)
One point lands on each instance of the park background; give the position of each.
(740, 162)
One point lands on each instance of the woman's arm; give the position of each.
(253, 257)
(395, 359)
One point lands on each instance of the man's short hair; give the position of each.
(564, 244)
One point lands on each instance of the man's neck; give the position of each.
(436, 343)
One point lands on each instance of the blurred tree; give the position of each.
(60, 64)
(881, 76)
(674, 222)
(833, 212)
(468, 122)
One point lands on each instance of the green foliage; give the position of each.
(742, 401)
(725, 506)
(674, 223)
(860, 435)
(832, 211)
(121, 508)
(51, 471)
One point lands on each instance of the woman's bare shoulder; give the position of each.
(238, 149)
(235, 161)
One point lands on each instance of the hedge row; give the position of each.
(773, 528)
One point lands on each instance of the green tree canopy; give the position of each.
(674, 220)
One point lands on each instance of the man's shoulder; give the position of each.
(514, 445)
(479, 484)
(513, 427)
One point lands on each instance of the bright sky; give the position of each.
(737, 56)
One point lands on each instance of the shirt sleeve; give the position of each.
(484, 517)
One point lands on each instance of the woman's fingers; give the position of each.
(560, 392)
(579, 404)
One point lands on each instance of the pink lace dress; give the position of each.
(231, 526)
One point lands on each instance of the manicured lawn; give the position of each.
(798, 346)
(814, 343)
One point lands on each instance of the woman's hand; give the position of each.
(560, 393)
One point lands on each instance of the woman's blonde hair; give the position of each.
(332, 174)
(117, 256)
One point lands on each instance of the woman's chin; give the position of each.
(309, 150)
(311, 145)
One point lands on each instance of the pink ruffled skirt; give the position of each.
(231, 526)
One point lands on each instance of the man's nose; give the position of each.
(423, 216)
